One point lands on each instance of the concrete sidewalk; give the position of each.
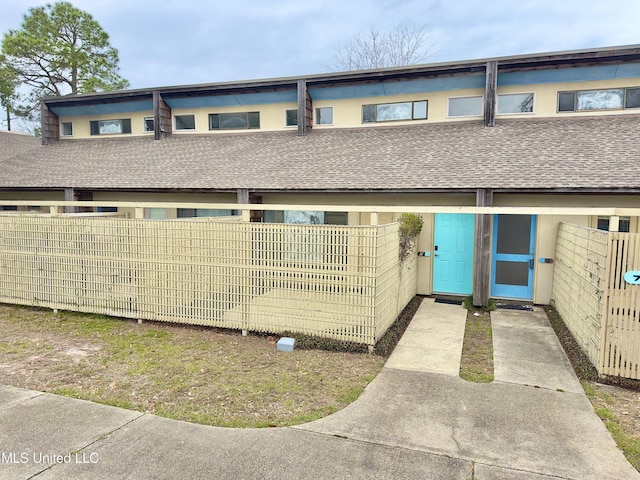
(534, 421)
(417, 419)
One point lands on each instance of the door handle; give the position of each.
(531, 262)
(435, 251)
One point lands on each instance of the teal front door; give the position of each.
(453, 253)
(513, 256)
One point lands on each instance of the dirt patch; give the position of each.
(623, 402)
(202, 375)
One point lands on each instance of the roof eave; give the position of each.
(512, 62)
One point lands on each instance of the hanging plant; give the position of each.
(410, 227)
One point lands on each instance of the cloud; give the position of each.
(198, 41)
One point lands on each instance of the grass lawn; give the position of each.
(200, 375)
(218, 377)
(476, 364)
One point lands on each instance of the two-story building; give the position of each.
(540, 130)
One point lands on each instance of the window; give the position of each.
(336, 218)
(599, 99)
(273, 216)
(465, 106)
(148, 125)
(291, 118)
(9, 208)
(324, 116)
(203, 212)
(325, 218)
(515, 103)
(110, 127)
(157, 213)
(185, 122)
(67, 129)
(606, 99)
(386, 112)
(632, 98)
(566, 101)
(234, 121)
(624, 224)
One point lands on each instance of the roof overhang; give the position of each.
(587, 57)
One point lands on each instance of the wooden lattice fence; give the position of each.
(597, 305)
(341, 282)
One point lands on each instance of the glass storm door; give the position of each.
(513, 256)
(453, 253)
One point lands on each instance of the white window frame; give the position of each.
(144, 124)
(285, 117)
(466, 116)
(195, 123)
(533, 110)
(315, 120)
(62, 134)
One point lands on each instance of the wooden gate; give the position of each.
(620, 339)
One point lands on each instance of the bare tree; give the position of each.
(407, 44)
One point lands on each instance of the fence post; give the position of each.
(246, 282)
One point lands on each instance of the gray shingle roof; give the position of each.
(14, 143)
(573, 153)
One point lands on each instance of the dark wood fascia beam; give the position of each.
(490, 94)
(482, 250)
(97, 99)
(227, 89)
(242, 195)
(162, 125)
(305, 108)
(560, 61)
(70, 196)
(508, 63)
(49, 125)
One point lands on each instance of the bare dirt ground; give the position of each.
(623, 402)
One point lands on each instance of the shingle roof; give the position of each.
(600, 152)
(14, 143)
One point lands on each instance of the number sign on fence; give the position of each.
(632, 277)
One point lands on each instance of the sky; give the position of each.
(183, 42)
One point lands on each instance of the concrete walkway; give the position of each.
(417, 419)
(527, 352)
(432, 343)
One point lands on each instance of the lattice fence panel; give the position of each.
(340, 282)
